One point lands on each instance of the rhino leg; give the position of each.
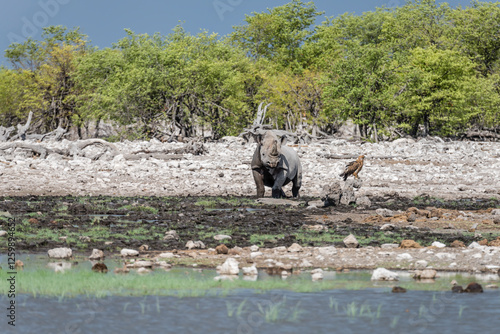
(278, 184)
(259, 182)
(297, 183)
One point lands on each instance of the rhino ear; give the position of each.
(283, 140)
(258, 138)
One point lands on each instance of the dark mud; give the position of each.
(94, 222)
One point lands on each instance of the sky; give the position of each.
(104, 21)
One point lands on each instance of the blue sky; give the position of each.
(104, 21)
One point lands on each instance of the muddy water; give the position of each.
(364, 311)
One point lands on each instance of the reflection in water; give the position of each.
(276, 311)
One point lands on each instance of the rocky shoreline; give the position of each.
(406, 169)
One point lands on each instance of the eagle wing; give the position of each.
(350, 168)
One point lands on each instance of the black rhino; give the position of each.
(274, 165)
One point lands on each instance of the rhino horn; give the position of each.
(274, 151)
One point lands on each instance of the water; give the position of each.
(371, 308)
(333, 311)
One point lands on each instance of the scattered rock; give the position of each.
(331, 194)
(166, 255)
(348, 195)
(250, 271)
(387, 227)
(294, 248)
(19, 264)
(317, 274)
(96, 255)
(195, 244)
(143, 270)
(221, 249)
(491, 286)
(33, 221)
(350, 241)
(84, 238)
(457, 244)
(425, 274)
(144, 248)
(60, 253)
(315, 228)
(421, 264)
(327, 251)
(254, 255)
(235, 250)
(438, 244)
(230, 267)
(398, 289)
(363, 202)
(100, 267)
(254, 248)
(474, 288)
(171, 235)
(382, 274)
(495, 243)
(129, 252)
(387, 246)
(483, 242)
(140, 264)
(409, 244)
(404, 257)
(220, 237)
(384, 212)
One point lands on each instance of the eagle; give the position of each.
(353, 168)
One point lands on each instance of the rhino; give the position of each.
(274, 165)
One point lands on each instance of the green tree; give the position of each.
(278, 33)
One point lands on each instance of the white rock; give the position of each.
(404, 256)
(195, 244)
(60, 253)
(250, 270)
(389, 246)
(387, 227)
(254, 248)
(384, 212)
(230, 267)
(143, 270)
(253, 255)
(166, 255)
(140, 264)
(448, 256)
(438, 244)
(495, 212)
(382, 274)
(220, 237)
(425, 274)
(169, 235)
(317, 276)
(350, 241)
(129, 252)
(3, 233)
(97, 254)
(295, 248)
(474, 245)
(421, 264)
(327, 251)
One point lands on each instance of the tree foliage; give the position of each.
(419, 69)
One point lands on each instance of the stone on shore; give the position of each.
(230, 267)
(60, 253)
(382, 274)
(351, 242)
(129, 252)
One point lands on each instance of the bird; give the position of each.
(353, 168)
